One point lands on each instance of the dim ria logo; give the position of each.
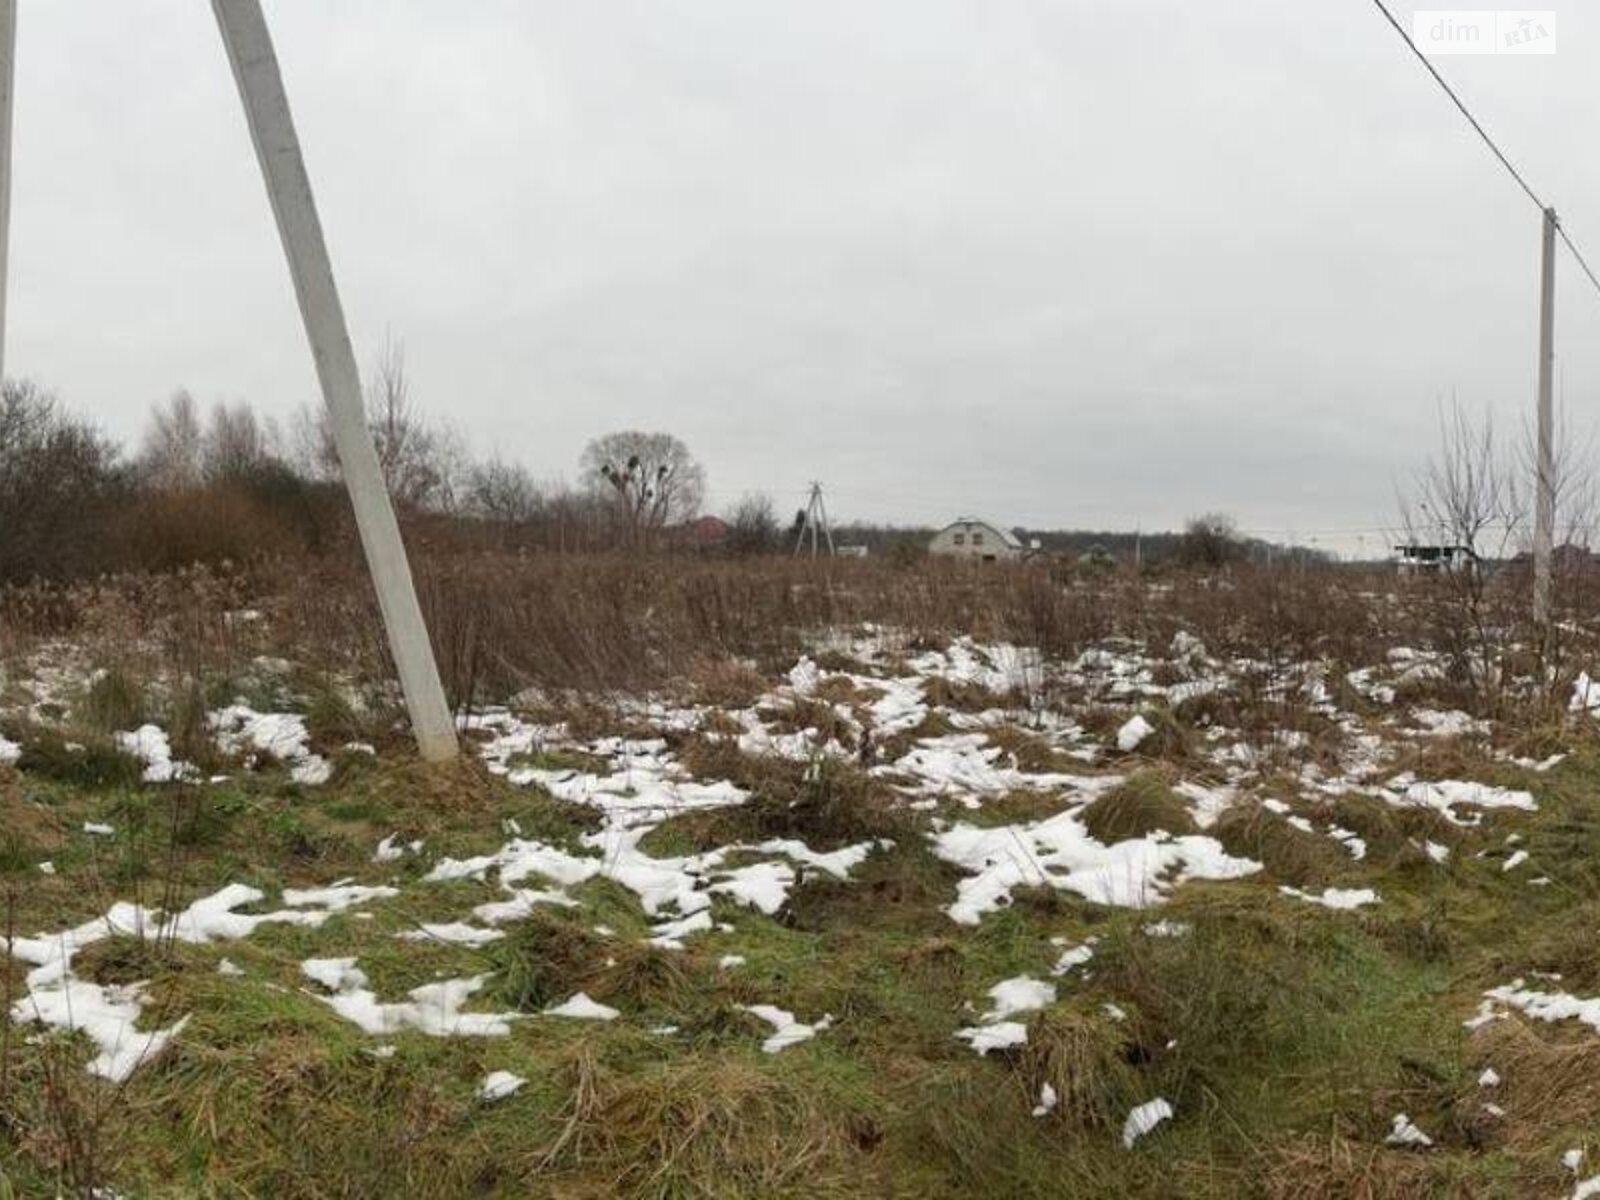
(1478, 31)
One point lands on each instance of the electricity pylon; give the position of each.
(816, 524)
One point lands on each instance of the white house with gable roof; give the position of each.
(970, 537)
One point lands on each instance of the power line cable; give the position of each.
(1488, 141)
(1582, 262)
(1459, 103)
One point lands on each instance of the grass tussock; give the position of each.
(728, 683)
(546, 958)
(1170, 741)
(90, 761)
(1030, 752)
(1316, 1166)
(1085, 1058)
(1141, 805)
(826, 803)
(962, 695)
(113, 701)
(722, 1126)
(1550, 1085)
(1291, 855)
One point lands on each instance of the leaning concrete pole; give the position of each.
(8, 74)
(1544, 517)
(266, 106)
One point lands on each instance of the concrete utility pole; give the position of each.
(8, 74)
(266, 106)
(1545, 470)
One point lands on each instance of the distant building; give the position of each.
(702, 533)
(969, 537)
(853, 551)
(1419, 559)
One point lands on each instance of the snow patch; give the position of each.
(1336, 898)
(497, 1085)
(1143, 1119)
(1058, 852)
(787, 1031)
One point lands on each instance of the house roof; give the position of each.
(702, 531)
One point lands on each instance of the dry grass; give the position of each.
(1291, 855)
(724, 1128)
(1549, 1082)
(1142, 804)
(1086, 1060)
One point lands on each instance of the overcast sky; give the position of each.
(1057, 263)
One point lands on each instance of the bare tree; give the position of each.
(174, 445)
(753, 526)
(504, 495)
(649, 479)
(1210, 540)
(1466, 495)
(421, 461)
(237, 445)
(1466, 499)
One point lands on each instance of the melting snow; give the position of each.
(150, 746)
(1058, 852)
(1133, 732)
(1546, 1006)
(392, 850)
(456, 933)
(1047, 1101)
(1335, 897)
(582, 1008)
(1404, 1133)
(1073, 956)
(239, 729)
(789, 1031)
(108, 1015)
(965, 765)
(434, 1008)
(497, 1085)
(1011, 997)
(1019, 995)
(1002, 1035)
(1143, 1119)
(686, 884)
(1446, 794)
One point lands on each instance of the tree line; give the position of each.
(221, 483)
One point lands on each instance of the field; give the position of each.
(766, 879)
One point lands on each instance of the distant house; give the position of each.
(1419, 559)
(702, 533)
(969, 537)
